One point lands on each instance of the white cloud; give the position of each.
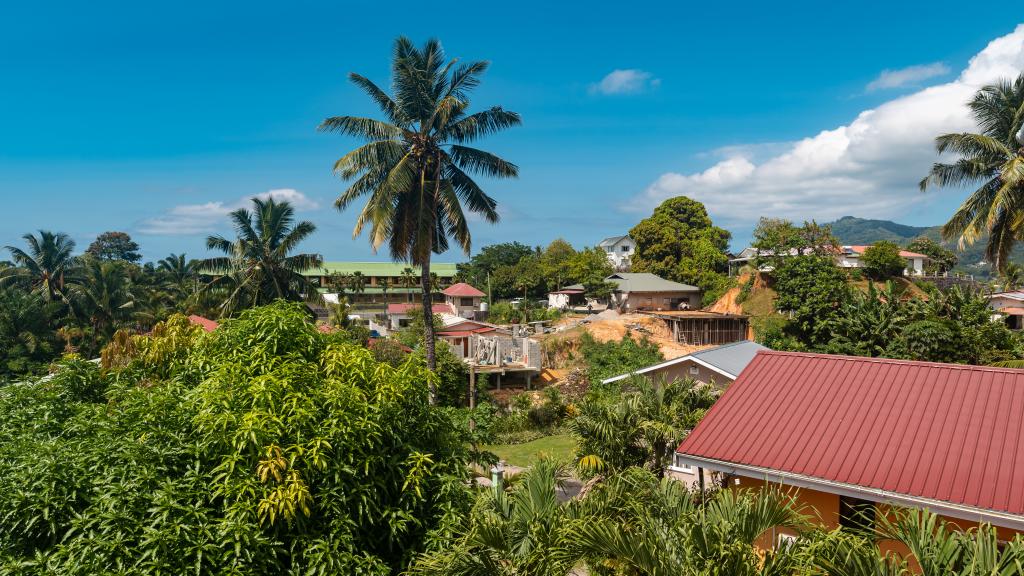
(869, 167)
(189, 219)
(631, 81)
(908, 76)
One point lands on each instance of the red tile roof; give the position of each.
(206, 323)
(404, 308)
(903, 253)
(462, 289)
(943, 432)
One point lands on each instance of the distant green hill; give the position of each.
(851, 230)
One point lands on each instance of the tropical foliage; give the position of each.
(993, 160)
(882, 260)
(260, 265)
(415, 166)
(640, 426)
(265, 447)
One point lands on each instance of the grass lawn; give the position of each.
(557, 447)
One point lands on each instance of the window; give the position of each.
(694, 370)
(465, 301)
(785, 541)
(625, 248)
(856, 514)
(403, 323)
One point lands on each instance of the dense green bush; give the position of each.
(812, 289)
(607, 359)
(264, 447)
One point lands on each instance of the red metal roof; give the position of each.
(903, 253)
(206, 323)
(945, 432)
(404, 308)
(462, 289)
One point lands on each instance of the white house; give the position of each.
(620, 251)
(1008, 306)
(846, 257)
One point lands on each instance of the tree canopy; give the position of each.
(679, 242)
(114, 246)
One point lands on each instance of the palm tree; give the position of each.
(102, 297)
(357, 282)
(994, 160)
(519, 531)
(46, 266)
(385, 285)
(259, 267)
(408, 279)
(415, 166)
(1013, 276)
(640, 428)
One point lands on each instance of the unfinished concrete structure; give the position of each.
(699, 328)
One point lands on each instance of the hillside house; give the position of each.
(620, 250)
(382, 281)
(464, 299)
(845, 434)
(1009, 307)
(398, 314)
(845, 256)
(636, 291)
(719, 366)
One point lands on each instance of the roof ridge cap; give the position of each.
(903, 361)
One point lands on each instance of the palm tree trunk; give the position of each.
(428, 322)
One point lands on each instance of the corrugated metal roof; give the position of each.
(462, 289)
(732, 358)
(611, 241)
(404, 308)
(442, 269)
(944, 432)
(647, 282)
(728, 360)
(206, 323)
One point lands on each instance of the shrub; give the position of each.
(261, 448)
(607, 359)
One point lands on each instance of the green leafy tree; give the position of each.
(679, 242)
(868, 322)
(408, 279)
(993, 160)
(882, 260)
(812, 289)
(778, 238)
(260, 265)
(114, 246)
(490, 258)
(415, 166)
(940, 258)
(556, 262)
(45, 267)
(264, 447)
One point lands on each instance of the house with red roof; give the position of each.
(206, 324)
(464, 299)
(398, 314)
(1009, 307)
(853, 437)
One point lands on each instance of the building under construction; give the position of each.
(698, 328)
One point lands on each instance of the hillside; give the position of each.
(852, 230)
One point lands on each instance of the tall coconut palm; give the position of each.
(408, 279)
(101, 296)
(1012, 276)
(415, 165)
(259, 267)
(992, 159)
(46, 266)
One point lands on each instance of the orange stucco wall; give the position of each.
(822, 508)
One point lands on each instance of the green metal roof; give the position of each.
(442, 269)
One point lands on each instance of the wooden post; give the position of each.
(528, 375)
(497, 376)
(472, 388)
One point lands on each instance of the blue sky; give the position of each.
(158, 118)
